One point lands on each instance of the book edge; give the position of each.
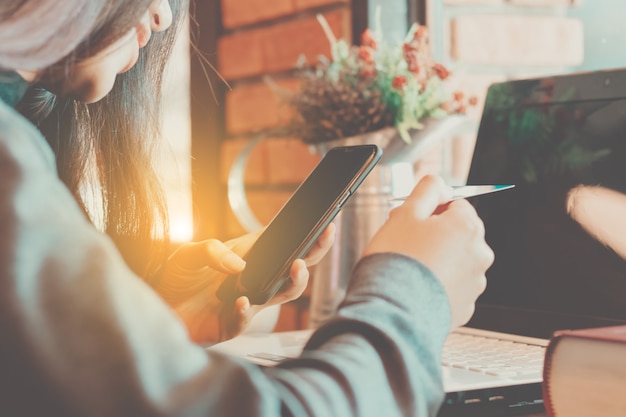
(547, 373)
(606, 333)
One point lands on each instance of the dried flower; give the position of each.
(372, 86)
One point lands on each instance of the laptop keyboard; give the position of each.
(491, 356)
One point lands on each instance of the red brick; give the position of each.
(277, 48)
(243, 12)
(307, 4)
(257, 106)
(288, 41)
(241, 54)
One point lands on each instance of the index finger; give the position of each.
(321, 246)
(211, 253)
(429, 193)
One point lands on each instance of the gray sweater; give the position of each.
(81, 335)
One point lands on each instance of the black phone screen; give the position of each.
(302, 219)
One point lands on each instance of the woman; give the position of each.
(82, 334)
(103, 147)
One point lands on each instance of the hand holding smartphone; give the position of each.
(296, 227)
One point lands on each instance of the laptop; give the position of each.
(559, 238)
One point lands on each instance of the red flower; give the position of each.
(441, 71)
(421, 32)
(459, 96)
(473, 101)
(367, 39)
(366, 54)
(408, 49)
(413, 63)
(399, 82)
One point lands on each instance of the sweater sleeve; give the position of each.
(81, 335)
(381, 354)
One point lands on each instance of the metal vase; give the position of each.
(359, 219)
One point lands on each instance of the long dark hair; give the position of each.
(107, 147)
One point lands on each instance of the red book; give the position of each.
(584, 373)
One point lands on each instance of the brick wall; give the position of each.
(266, 38)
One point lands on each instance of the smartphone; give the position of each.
(299, 223)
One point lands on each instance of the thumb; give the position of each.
(211, 253)
(429, 193)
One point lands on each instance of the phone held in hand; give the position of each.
(298, 224)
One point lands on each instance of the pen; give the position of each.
(465, 191)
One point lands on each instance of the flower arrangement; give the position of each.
(372, 86)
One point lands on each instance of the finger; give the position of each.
(468, 213)
(293, 289)
(429, 193)
(190, 256)
(299, 275)
(243, 310)
(460, 203)
(321, 246)
(482, 284)
(220, 257)
(211, 253)
(235, 318)
(442, 208)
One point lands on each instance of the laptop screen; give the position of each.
(560, 235)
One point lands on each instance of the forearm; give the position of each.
(379, 357)
(381, 354)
